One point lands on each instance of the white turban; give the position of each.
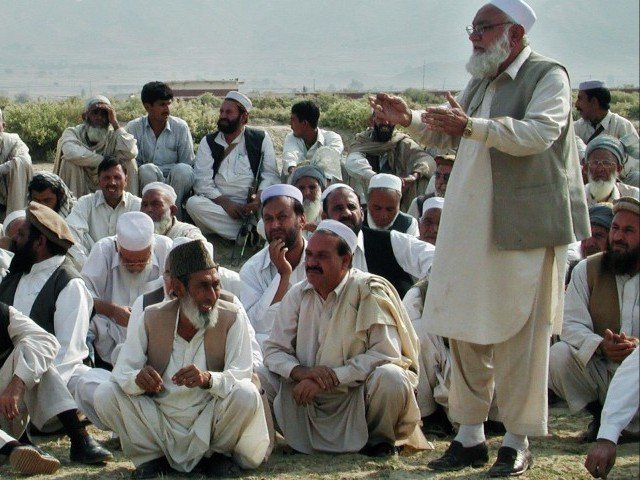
(134, 231)
(386, 180)
(341, 230)
(241, 99)
(281, 190)
(334, 186)
(96, 99)
(162, 187)
(433, 202)
(519, 10)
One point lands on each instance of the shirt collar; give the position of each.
(48, 264)
(606, 120)
(167, 125)
(320, 138)
(514, 67)
(266, 258)
(223, 141)
(337, 291)
(98, 199)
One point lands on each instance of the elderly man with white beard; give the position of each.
(159, 202)
(181, 395)
(118, 270)
(513, 128)
(383, 206)
(605, 155)
(81, 148)
(311, 181)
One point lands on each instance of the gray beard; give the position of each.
(486, 64)
(600, 190)
(312, 209)
(135, 281)
(374, 226)
(200, 320)
(97, 134)
(162, 226)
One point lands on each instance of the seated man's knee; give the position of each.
(388, 378)
(560, 355)
(105, 400)
(148, 173)
(245, 393)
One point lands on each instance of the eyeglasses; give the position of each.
(444, 176)
(601, 163)
(480, 29)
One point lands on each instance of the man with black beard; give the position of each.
(230, 162)
(380, 149)
(601, 319)
(269, 274)
(181, 396)
(82, 148)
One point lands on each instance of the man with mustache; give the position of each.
(267, 276)
(380, 149)
(311, 181)
(343, 355)
(165, 146)
(230, 161)
(181, 396)
(513, 129)
(601, 319)
(444, 165)
(604, 162)
(383, 206)
(82, 148)
(600, 217)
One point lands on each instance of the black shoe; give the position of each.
(379, 450)
(152, 469)
(511, 462)
(88, 451)
(591, 435)
(458, 457)
(437, 424)
(218, 465)
(30, 460)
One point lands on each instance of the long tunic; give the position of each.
(13, 185)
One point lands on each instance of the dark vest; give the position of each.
(401, 223)
(604, 306)
(520, 219)
(253, 139)
(380, 259)
(6, 345)
(44, 306)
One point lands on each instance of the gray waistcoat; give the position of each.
(538, 200)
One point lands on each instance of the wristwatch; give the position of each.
(468, 129)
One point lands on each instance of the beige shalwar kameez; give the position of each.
(13, 185)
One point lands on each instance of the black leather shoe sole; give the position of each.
(458, 457)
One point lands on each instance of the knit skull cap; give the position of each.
(432, 202)
(609, 143)
(601, 214)
(241, 98)
(518, 10)
(386, 180)
(591, 84)
(281, 190)
(134, 231)
(312, 171)
(97, 99)
(167, 190)
(332, 187)
(341, 230)
(189, 258)
(50, 224)
(630, 204)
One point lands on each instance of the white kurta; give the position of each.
(619, 190)
(92, 218)
(294, 150)
(13, 184)
(107, 280)
(260, 280)
(183, 229)
(471, 277)
(185, 424)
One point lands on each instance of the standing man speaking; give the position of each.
(514, 203)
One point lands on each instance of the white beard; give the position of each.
(600, 190)
(374, 226)
(135, 281)
(486, 64)
(200, 320)
(161, 227)
(312, 209)
(97, 134)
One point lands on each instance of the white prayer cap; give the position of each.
(518, 10)
(164, 188)
(96, 99)
(433, 202)
(15, 215)
(182, 240)
(134, 231)
(591, 84)
(386, 180)
(241, 98)
(334, 186)
(280, 190)
(341, 230)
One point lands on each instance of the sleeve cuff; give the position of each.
(24, 374)
(480, 129)
(344, 375)
(588, 348)
(609, 432)
(416, 120)
(216, 380)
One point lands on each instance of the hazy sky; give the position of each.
(69, 47)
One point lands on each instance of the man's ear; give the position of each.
(174, 210)
(177, 287)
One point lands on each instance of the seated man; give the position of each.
(379, 149)
(48, 189)
(620, 409)
(601, 318)
(306, 138)
(604, 156)
(269, 274)
(43, 284)
(440, 179)
(118, 270)
(383, 206)
(600, 218)
(232, 165)
(181, 396)
(82, 148)
(159, 202)
(430, 220)
(345, 355)
(311, 181)
(26, 354)
(165, 146)
(15, 170)
(95, 215)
